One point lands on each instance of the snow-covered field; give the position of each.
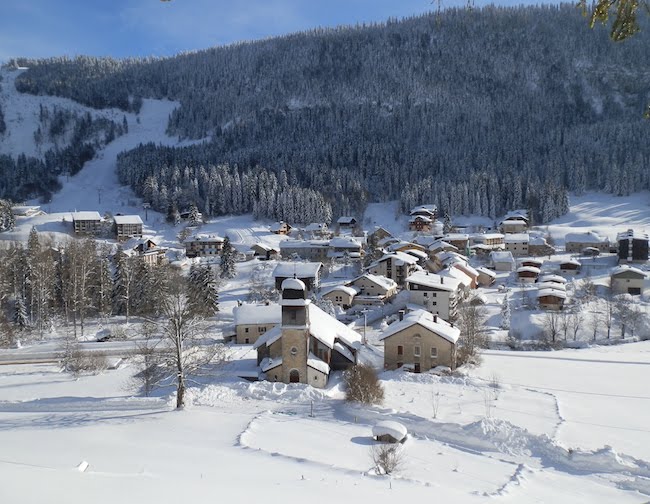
(539, 438)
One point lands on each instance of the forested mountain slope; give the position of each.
(478, 111)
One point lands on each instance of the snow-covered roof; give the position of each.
(393, 429)
(516, 238)
(552, 278)
(528, 269)
(262, 246)
(348, 289)
(316, 226)
(430, 209)
(344, 242)
(624, 268)
(322, 326)
(247, 314)
(382, 281)
(551, 285)
(486, 271)
(86, 216)
(268, 363)
(346, 219)
(400, 258)
(551, 292)
(299, 269)
(588, 237)
(439, 282)
(530, 261)
(277, 226)
(393, 247)
(516, 214)
(537, 240)
(387, 241)
(318, 364)
(202, 237)
(487, 236)
(513, 221)
(441, 244)
(293, 284)
(288, 244)
(127, 219)
(631, 234)
(424, 319)
(344, 351)
(422, 218)
(502, 256)
(457, 274)
(575, 262)
(417, 253)
(456, 237)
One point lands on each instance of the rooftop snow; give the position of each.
(247, 314)
(502, 256)
(127, 219)
(299, 269)
(517, 238)
(627, 269)
(588, 237)
(86, 216)
(424, 319)
(434, 281)
(382, 281)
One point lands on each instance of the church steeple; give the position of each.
(294, 303)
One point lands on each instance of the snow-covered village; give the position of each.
(198, 312)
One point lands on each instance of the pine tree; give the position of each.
(194, 217)
(227, 259)
(7, 219)
(202, 291)
(20, 318)
(505, 313)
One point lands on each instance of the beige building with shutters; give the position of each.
(420, 340)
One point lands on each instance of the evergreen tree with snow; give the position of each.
(505, 313)
(20, 318)
(446, 224)
(194, 217)
(202, 291)
(7, 219)
(227, 259)
(173, 215)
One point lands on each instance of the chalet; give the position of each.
(341, 295)
(441, 246)
(570, 267)
(632, 246)
(186, 215)
(628, 280)
(252, 321)
(437, 294)
(146, 250)
(86, 222)
(308, 250)
(557, 279)
(535, 263)
(264, 252)
(527, 274)
(551, 299)
(317, 230)
(346, 223)
(537, 246)
(430, 211)
(502, 261)
(458, 240)
(489, 240)
(403, 246)
(280, 228)
(388, 241)
(373, 289)
(379, 233)
(396, 266)
(516, 221)
(517, 243)
(307, 272)
(421, 340)
(575, 243)
(486, 277)
(203, 245)
(550, 285)
(342, 247)
(307, 344)
(128, 226)
(448, 261)
(420, 223)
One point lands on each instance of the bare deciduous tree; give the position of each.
(552, 325)
(387, 458)
(471, 321)
(362, 385)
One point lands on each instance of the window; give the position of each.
(245, 329)
(246, 341)
(400, 350)
(425, 294)
(261, 329)
(416, 351)
(434, 353)
(434, 303)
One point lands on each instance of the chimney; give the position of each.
(401, 315)
(435, 318)
(442, 279)
(267, 302)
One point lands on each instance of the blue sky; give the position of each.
(120, 28)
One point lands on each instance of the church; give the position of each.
(308, 343)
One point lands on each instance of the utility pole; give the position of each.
(146, 207)
(99, 195)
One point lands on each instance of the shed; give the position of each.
(389, 432)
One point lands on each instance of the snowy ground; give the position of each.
(240, 441)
